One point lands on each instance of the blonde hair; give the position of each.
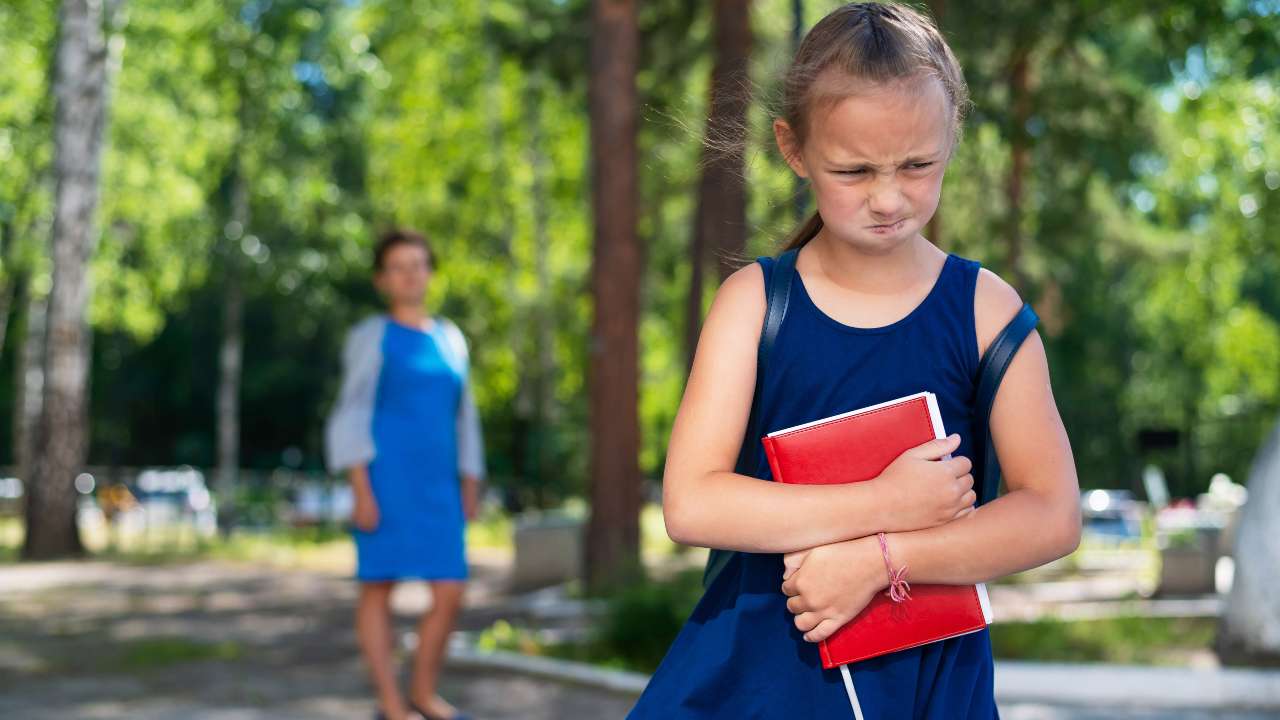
(872, 43)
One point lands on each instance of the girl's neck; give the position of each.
(841, 264)
(410, 315)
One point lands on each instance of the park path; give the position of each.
(224, 641)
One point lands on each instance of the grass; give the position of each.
(323, 548)
(1136, 640)
(641, 621)
(162, 652)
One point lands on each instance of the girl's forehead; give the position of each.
(883, 123)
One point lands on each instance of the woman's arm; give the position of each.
(471, 470)
(1037, 521)
(705, 503)
(349, 427)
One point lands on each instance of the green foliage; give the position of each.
(1152, 179)
(642, 620)
(634, 633)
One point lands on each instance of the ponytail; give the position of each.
(807, 231)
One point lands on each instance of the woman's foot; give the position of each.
(438, 709)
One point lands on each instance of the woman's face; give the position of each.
(404, 275)
(875, 160)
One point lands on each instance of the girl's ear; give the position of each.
(789, 146)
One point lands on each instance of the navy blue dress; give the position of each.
(739, 656)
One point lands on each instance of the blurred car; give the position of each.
(1111, 515)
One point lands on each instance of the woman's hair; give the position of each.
(865, 43)
(400, 236)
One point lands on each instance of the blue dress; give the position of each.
(405, 411)
(739, 656)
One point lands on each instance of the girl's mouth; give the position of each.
(888, 229)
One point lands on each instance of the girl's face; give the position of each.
(875, 160)
(404, 275)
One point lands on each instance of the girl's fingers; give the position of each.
(789, 586)
(791, 562)
(807, 621)
(797, 605)
(959, 465)
(822, 630)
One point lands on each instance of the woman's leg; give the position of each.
(373, 630)
(433, 637)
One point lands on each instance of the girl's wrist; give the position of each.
(872, 558)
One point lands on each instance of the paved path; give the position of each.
(215, 641)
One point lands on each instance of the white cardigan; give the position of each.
(349, 429)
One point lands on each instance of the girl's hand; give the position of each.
(829, 585)
(365, 514)
(923, 489)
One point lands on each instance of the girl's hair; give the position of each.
(867, 43)
(400, 236)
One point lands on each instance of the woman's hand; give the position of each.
(470, 497)
(829, 585)
(924, 488)
(365, 514)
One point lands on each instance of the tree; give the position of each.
(720, 220)
(80, 88)
(613, 533)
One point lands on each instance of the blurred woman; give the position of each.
(406, 431)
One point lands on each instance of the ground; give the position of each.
(222, 641)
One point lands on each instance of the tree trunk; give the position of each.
(28, 382)
(720, 220)
(231, 354)
(80, 89)
(613, 533)
(9, 280)
(1249, 631)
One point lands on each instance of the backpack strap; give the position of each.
(777, 295)
(995, 361)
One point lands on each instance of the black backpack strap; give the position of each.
(777, 295)
(995, 361)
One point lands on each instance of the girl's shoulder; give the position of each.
(995, 302)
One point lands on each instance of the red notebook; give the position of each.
(858, 446)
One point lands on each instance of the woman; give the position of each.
(406, 431)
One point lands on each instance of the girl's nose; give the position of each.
(885, 200)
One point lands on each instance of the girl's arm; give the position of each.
(1035, 522)
(1038, 519)
(705, 503)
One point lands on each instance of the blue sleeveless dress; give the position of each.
(739, 656)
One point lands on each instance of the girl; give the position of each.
(406, 431)
(872, 110)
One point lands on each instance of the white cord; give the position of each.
(853, 695)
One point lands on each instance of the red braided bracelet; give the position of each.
(899, 590)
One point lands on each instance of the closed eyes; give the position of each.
(863, 171)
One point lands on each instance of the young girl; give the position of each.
(406, 431)
(872, 109)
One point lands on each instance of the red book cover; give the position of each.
(857, 446)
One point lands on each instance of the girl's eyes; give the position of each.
(864, 171)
